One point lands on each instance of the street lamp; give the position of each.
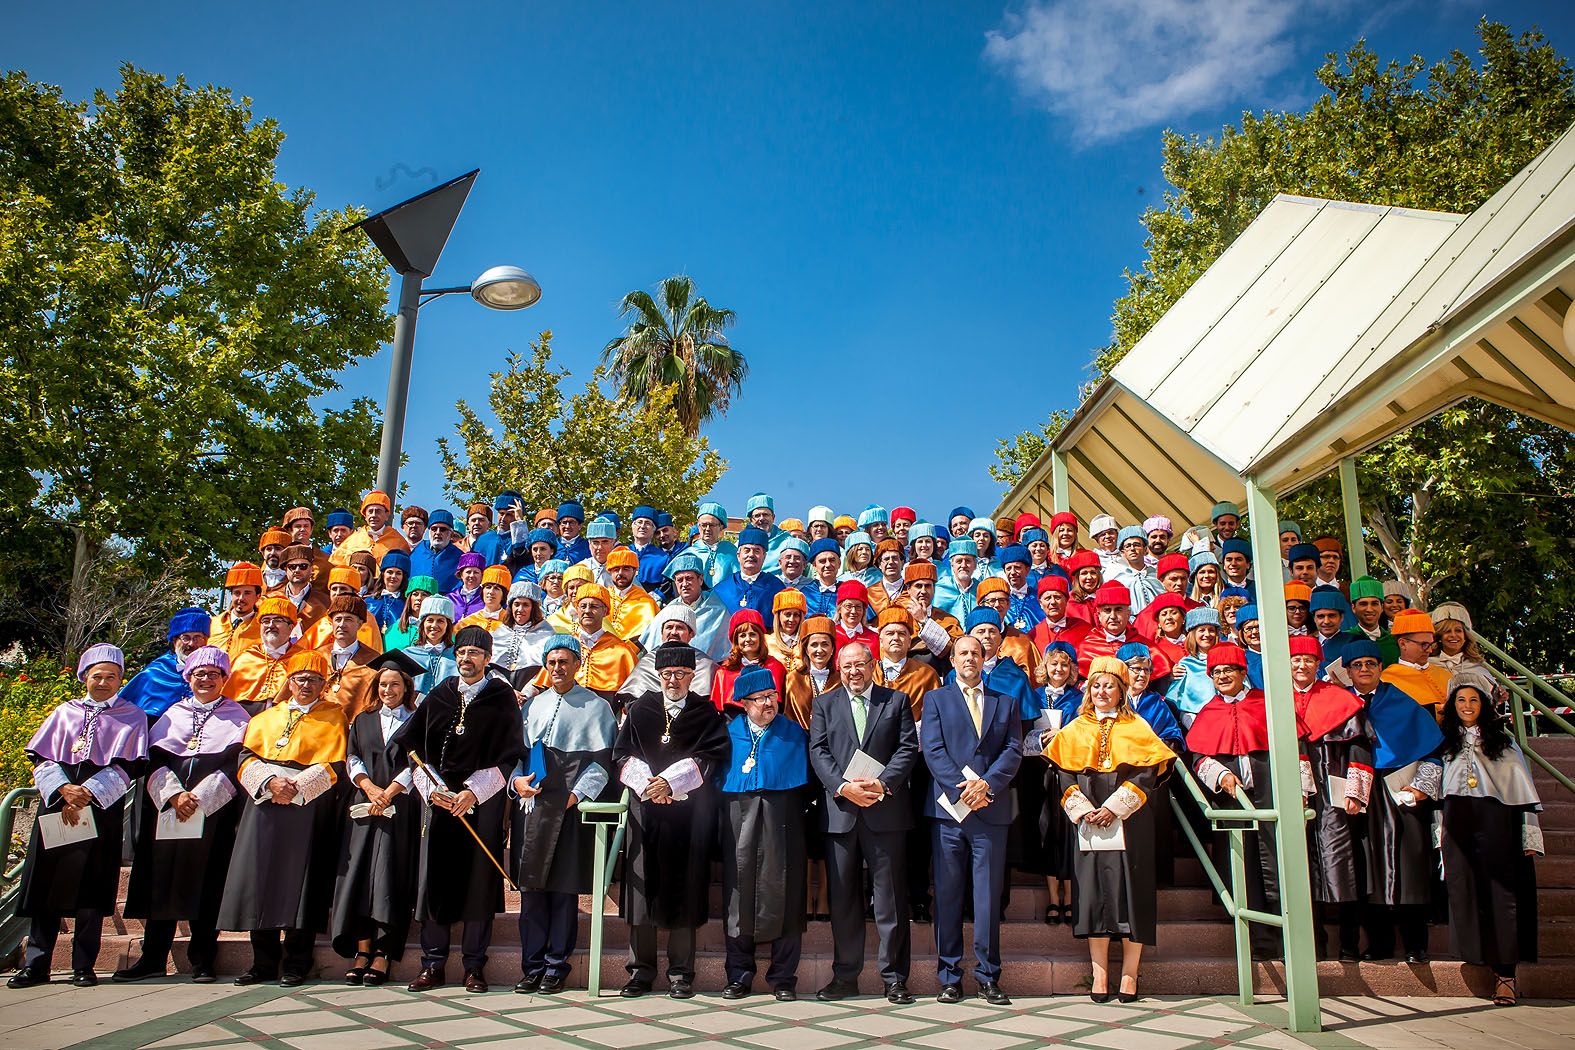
(411, 236)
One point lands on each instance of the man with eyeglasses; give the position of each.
(298, 522)
(438, 555)
(310, 599)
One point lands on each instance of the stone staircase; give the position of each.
(1195, 954)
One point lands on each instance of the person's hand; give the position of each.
(1229, 783)
(461, 803)
(873, 786)
(374, 794)
(860, 796)
(1045, 738)
(975, 794)
(525, 786)
(1352, 806)
(1417, 794)
(658, 790)
(574, 800)
(75, 796)
(1100, 818)
(282, 790)
(1531, 853)
(71, 815)
(185, 805)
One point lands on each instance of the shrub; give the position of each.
(27, 694)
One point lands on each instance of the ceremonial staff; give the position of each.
(439, 781)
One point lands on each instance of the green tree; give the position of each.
(170, 312)
(678, 343)
(1015, 456)
(611, 452)
(1473, 504)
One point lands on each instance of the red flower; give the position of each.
(21, 678)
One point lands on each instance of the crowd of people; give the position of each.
(853, 718)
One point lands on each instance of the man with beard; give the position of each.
(669, 750)
(160, 684)
(438, 555)
(468, 733)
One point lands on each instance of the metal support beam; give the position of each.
(1060, 495)
(398, 385)
(1301, 964)
(1351, 500)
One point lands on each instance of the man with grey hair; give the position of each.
(675, 623)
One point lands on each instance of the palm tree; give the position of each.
(677, 343)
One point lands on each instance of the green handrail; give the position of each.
(1520, 697)
(12, 926)
(601, 877)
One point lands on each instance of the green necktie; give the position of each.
(861, 715)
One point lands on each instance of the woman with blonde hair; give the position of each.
(1456, 650)
(1109, 762)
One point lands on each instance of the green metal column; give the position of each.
(1350, 498)
(1060, 497)
(1301, 964)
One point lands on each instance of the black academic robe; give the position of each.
(1492, 884)
(669, 849)
(1262, 856)
(82, 875)
(457, 883)
(376, 887)
(1403, 863)
(1113, 891)
(184, 878)
(551, 848)
(1337, 843)
(762, 828)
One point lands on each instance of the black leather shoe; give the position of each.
(203, 975)
(634, 989)
(84, 978)
(786, 995)
(950, 993)
(144, 969)
(530, 984)
(252, 977)
(28, 978)
(837, 990)
(292, 980)
(430, 977)
(553, 983)
(680, 988)
(735, 990)
(475, 983)
(991, 993)
(897, 992)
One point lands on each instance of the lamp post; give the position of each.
(411, 236)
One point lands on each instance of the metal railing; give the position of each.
(1522, 695)
(609, 820)
(12, 926)
(1233, 898)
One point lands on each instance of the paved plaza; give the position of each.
(178, 1015)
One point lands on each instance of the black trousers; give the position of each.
(85, 941)
(549, 928)
(847, 853)
(476, 938)
(1381, 922)
(783, 969)
(159, 935)
(296, 951)
(642, 953)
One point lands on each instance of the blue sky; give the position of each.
(920, 211)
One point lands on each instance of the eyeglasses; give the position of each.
(299, 565)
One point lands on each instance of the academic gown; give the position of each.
(1113, 891)
(82, 875)
(718, 560)
(377, 866)
(1406, 741)
(457, 883)
(669, 848)
(256, 678)
(631, 613)
(570, 740)
(1335, 748)
(158, 686)
(762, 826)
(799, 692)
(736, 593)
(286, 856)
(440, 565)
(184, 878)
(233, 635)
(722, 685)
(711, 618)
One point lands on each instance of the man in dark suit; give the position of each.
(968, 724)
(867, 819)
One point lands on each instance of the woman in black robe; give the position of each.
(193, 751)
(1109, 764)
(1490, 835)
(376, 891)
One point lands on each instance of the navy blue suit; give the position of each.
(976, 848)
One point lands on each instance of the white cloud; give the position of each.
(1108, 67)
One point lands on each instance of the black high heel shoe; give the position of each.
(1052, 915)
(1128, 997)
(374, 976)
(357, 974)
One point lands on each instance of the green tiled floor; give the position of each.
(175, 1015)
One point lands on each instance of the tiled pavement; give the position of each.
(178, 1015)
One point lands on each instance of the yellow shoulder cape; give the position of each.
(1076, 748)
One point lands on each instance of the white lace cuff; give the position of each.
(163, 786)
(1076, 804)
(213, 792)
(1359, 783)
(934, 637)
(1309, 787)
(254, 776)
(484, 783)
(107, 785)
(425, 784)
(1127, 800)
(682, 777)
(49, 778)
(1429, 779)
(312, 782)
(593, 779)
(1211, 772)
(1531, 835)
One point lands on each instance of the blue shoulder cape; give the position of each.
(781, 760)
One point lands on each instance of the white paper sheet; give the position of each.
(1049, 720)
(1098, 840)
(56, 832)
(170, 826)
(1337, 792)
(1398, 781)
(958, 811)
(862, 767)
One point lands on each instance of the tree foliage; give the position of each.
(169, 314)
(1015, 456)
(1471, 504)
(679, 343)
(611, 452)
